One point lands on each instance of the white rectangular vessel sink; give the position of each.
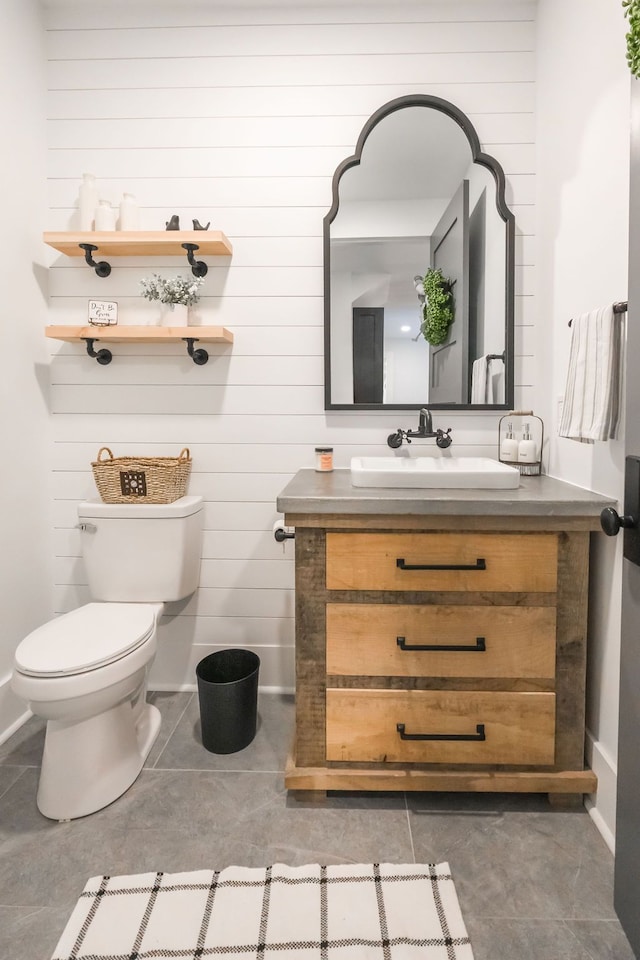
(455, 473)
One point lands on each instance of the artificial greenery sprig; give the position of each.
(437, 311)
(632, 12)
(171, 290)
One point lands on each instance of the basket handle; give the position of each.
(184, 454)
(103, 450)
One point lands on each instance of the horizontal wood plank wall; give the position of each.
(240, 117)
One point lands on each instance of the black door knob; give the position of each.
(611, 521)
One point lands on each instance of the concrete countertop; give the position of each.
(332, 493)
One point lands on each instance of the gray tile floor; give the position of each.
(533, 884)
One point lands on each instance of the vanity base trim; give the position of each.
(410, 780)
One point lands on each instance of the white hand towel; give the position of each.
(495, 380)
(592, 394)
(479, 380)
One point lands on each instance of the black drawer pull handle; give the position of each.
(480, 564)
(478, 647)
(478, 735)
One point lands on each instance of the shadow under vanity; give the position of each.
(441, 636)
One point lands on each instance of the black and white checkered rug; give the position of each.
(376, 910)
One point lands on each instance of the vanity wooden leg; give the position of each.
(566, 801)
(309, 798)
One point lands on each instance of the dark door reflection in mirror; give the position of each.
(418, 193)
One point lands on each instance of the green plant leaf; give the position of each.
(438, 309)
(632, 12)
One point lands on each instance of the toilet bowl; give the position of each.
(85, 672)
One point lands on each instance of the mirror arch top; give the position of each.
(496, 203)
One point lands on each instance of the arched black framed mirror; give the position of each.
(418, 198)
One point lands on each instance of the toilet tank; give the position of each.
(143, 553)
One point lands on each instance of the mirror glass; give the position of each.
(418, 196)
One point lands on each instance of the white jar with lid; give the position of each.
(324, 459)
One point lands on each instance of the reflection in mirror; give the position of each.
(417, 196)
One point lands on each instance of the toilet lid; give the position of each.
(84, 639)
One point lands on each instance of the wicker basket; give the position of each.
(141, 479)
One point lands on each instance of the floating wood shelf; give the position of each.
(149, 334)
(140, 243)
(129, 334)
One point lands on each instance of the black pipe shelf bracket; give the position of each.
(102, 268)
(103, 356)
(199, 356)
(198, 267)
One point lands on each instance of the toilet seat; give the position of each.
(85, 639)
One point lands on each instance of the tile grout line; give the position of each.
(209, 770)
(406, 807)
(175, 727)
(24, 768)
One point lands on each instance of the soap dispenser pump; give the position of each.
(509, 446)
(521, 441)
(527, 452)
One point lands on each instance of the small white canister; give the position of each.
(105, 216)
(88, 201)
(129, 213)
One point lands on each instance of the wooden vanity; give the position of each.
(441, 636)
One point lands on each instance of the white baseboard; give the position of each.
(602, 805)
(192, 688)
(174, 667)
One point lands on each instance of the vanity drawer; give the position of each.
(495, 727)
(518, 562)
(379, 640)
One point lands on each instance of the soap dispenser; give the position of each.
(527, 452)
(509, 446)
(521, 441)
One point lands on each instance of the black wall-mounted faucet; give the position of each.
(424, 432)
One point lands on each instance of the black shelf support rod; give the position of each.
(199, 356)
(103, 356)
(198, 267)
(103, 269)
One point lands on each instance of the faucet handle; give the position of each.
(443, 438)
(394, 440)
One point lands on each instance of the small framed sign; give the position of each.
(103, 313)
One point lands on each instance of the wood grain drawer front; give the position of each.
(497, 727)
(517, 562)
(376, 640)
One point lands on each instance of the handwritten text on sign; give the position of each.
(103, 312)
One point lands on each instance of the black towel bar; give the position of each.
(621, 307)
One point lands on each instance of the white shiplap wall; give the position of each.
(240, 116)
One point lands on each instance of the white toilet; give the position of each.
(86, 671)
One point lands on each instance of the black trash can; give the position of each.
(228, 695)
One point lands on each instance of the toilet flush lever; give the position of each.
(88, 527)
